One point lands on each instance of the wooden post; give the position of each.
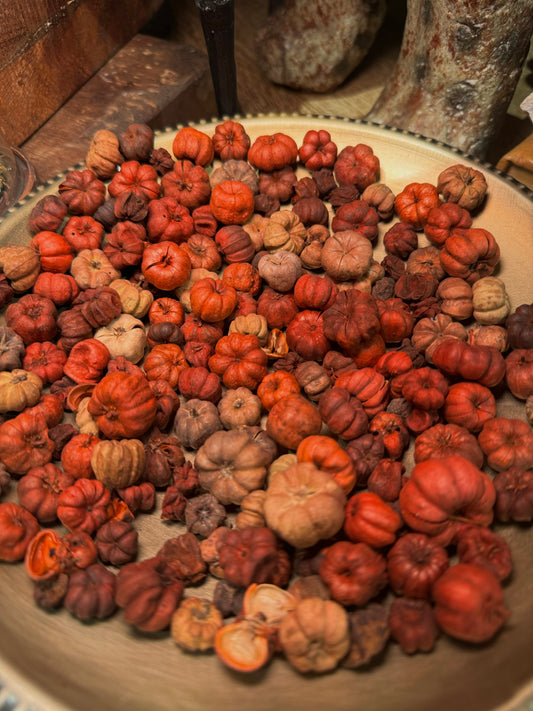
(458, 67)
(217, 17)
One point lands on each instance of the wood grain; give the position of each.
(150, 80)
(50, 49)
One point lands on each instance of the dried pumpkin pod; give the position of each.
(118, 463)
(135, 300)
(242, 646)
(104, 154)
(230, 465)
(125, 336)
(19, 389)
(304, 505)
(194, 624)
(21, 266)
(315, 636)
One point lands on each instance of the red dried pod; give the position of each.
(352, 319)
(442, 440)
(47, 214)
(187, 182)
(412, 624)
(514, 495)
(73, 327)
(91, 593)
(182, 559)
(368, 386)
(485, 548)
(507, 442)
(99, 306)
(425, 388)
(442, 220)
(76, 455)
(468, 603)
(173, 504)
(278, 184)
(82, 192)
(138, 497)
(470, 254)
(84, 505)
(135, 179)
(414, 202)
(394, 432)
(87, 361)
(482, 364)
(395, 319)
(163, 455)
(414, 563)
(186, 478)
(353, 572)
(205, 223)
(469, 405)
(83, 232)
(169, 220)
(124, 245)
(387, 479)
(359, 216)
(519, 372)
(415, 287)
(366, 451)
(147, 598)
(38, 491)
(167, 403)
(369, 519)
(230, 141)
(443, 494)
(249, 555)
(400, 240)
(45, 360)
(312, 291)
(33, 317)
(17, 528)
(519, 325)
(24, 442)
(317, 150)
(305, 335)
(357, 165)
(278, 309)
(239, 360)
(199, 382)
(62, 289)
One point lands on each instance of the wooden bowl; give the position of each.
(52, 662)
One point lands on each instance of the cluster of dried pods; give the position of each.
(208, 337)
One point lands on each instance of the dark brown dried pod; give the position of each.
(203, 514)
(117, 542)
(137, 142)
(49, 594)
(91, 593)
(369, 634)
(412, 624)
(161, 160)
(48, 214)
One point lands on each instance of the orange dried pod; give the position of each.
(369, 519)
(239, 360)
(507, 443)
(230, 141)
(41, 560)
(273, 152)
(17, 529)
(232, 202)
(165, 265)
(212, 300)
(276, 386)
(165, 362)
(469, 405)
(414, 202)
(191, 144)
(291, 420)
(123, 405)
(328, 456)
(55, 252)
(242, 646)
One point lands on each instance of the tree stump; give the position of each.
(457, 70)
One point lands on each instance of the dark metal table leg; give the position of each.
(217, 17)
